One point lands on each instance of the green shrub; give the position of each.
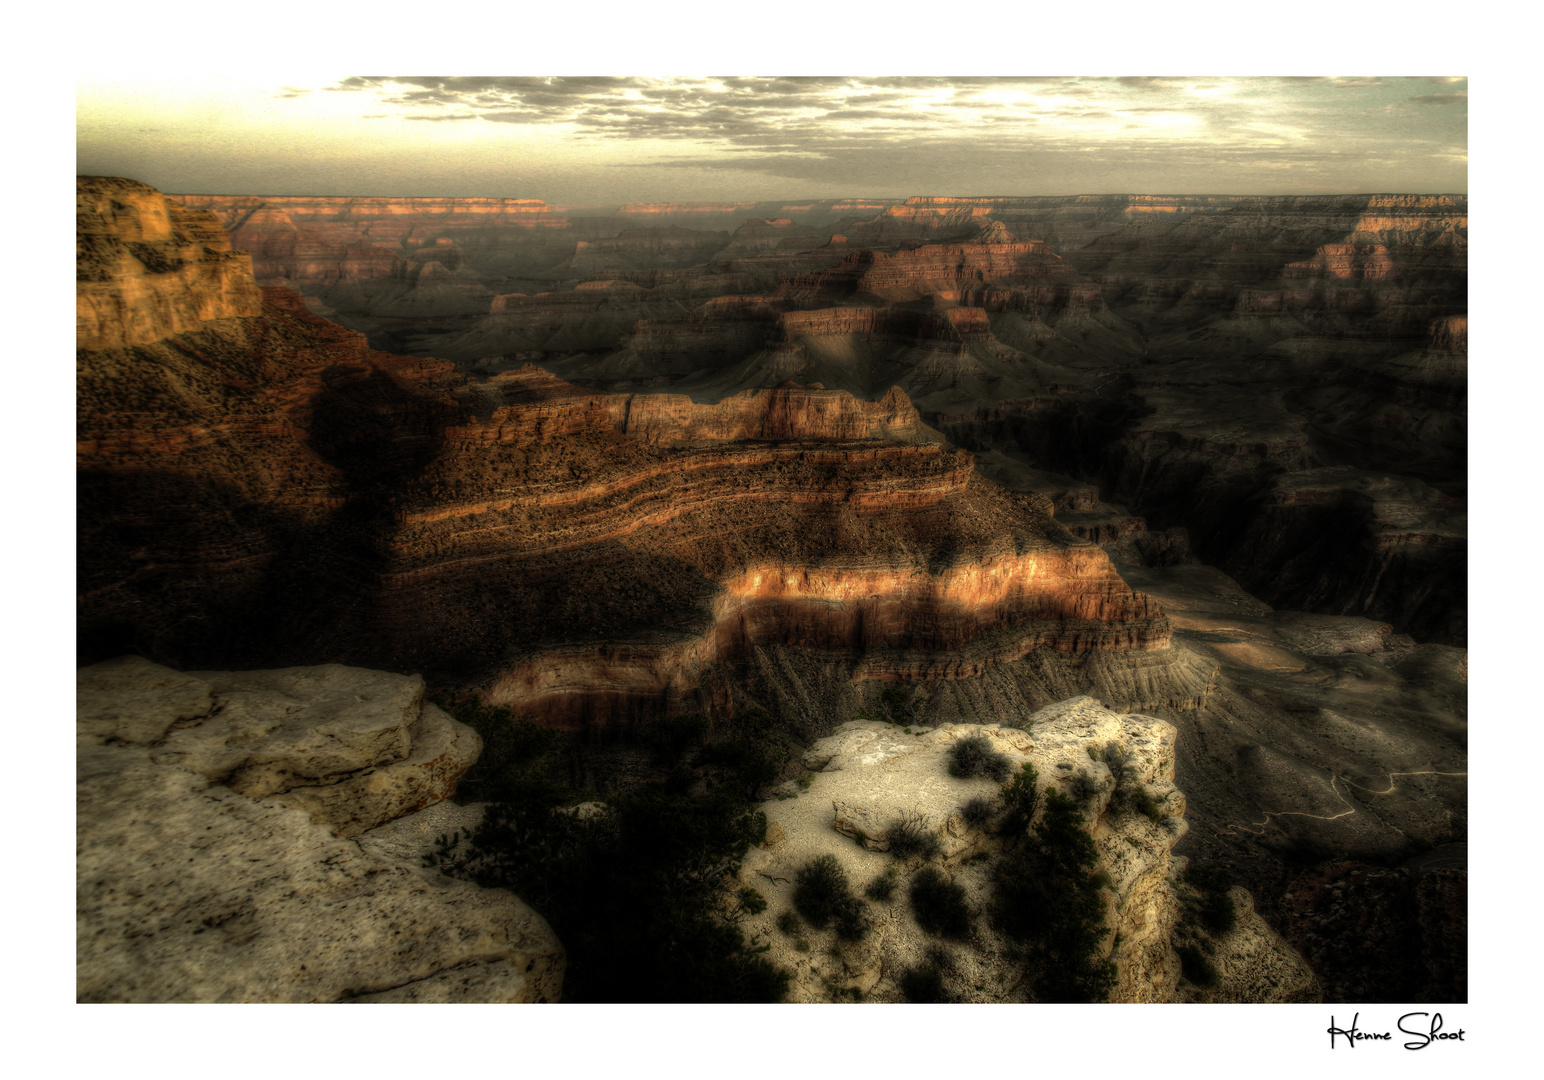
(938, 904)
(979, 812)
(850, 923)
(909, 836)
(788, 923)
(975, 757)
(1021, 799)
(1138, 798)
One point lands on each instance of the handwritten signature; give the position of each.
(1427, 1031)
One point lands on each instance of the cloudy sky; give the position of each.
(605, 140)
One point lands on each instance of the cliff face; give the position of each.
(147, 269)
(588, 556)
(213, 817)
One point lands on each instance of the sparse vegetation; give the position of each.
(788, 923)
(638, 894)
(1130, 793)
(822, 895)
(882, 888)
(979, 812)
(1083, 788)
(910, 837)
(820, 889)
(1047, 901)
(938, 904)
(1021, 799)
(975, 757)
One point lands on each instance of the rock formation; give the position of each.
(586, 556)
(1201, 457)
(213, 859)
(871, 779)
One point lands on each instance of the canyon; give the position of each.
(1201, 458)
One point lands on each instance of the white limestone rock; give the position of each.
(188, 890)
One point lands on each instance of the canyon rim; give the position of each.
(1163, 496)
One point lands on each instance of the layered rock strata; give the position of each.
(586, 556)
(869, 777)
(213, 812)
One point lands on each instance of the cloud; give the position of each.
(790, 122)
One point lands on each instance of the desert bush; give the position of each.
(751, 753)
(1046, 900)
(909, 836)
(820, 891)
(636, 895)
(1083, 788)
(1116, 756)
(974, 756)
(979, 812)
(1021, 799)
(938, 904)
(881, 888)
(1138, 798)
(850, 923)
(788, 923)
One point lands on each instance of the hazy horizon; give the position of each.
(594, 142)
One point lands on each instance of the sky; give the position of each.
(601, 140)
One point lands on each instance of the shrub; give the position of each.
(975, 757)
(1021, 798)
(637, 895)
(1138, 798)
(881, 888)
(821, 894)
(938, 905)
(1083, 788)
(850, 923)
(909, 835)
(979, 812)
(923, 985)
(1047, 900)
(788, 923)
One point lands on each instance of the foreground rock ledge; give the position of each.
(869, 774)
(189, 890)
